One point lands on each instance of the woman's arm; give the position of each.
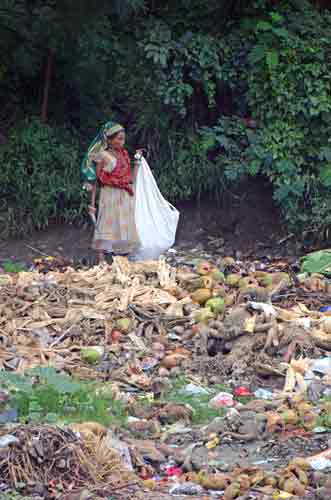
(93, 196)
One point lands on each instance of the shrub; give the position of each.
(39, 178)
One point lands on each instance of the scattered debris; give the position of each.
(222, 368)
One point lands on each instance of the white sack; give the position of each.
(156, 219)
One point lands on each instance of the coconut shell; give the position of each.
(301, 463)
(309, 421)
(303, 408)
(172, 361)
(204, 315)
(271, 481)
(321, 339)
(266, 280)
(260, 274)
(246, 282)
(214, 481)
(294, 486)
(279, 277)
(290, 417)
(314, 284)
(229, 300)
(206, 282)
(204, 268)
(232, 491)
(124, 324)
(228, 262)
(232, 280)
(219, 291)
(244, 481)
(201, 296)
(217, 305)
(326, 326)
(218, 276)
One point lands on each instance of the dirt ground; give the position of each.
(248, 222)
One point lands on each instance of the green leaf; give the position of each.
(263, 26)
(254, 167)
(272, 59)
(325, 154)
(257, 54)
(325, 175)
(251, 136)
(276, 17)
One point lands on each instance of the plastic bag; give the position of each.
(156, 219)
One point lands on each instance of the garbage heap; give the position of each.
(261, 329)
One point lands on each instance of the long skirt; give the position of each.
(116, 231)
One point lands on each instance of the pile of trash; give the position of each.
(48, 460)
(263, 330)
(161, 317)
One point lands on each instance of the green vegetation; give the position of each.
(45, 396)
(12, 267)
(12, 495)
(217, 91)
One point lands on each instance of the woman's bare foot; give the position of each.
(102, 258)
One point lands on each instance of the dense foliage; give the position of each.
(216, 90)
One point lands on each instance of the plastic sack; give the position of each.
(156, 219)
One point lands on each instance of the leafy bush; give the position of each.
(39, 178)
(182, 77)
(287, 70)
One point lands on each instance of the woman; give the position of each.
(107, 164)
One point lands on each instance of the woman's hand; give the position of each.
(92, 213)
(139, 154)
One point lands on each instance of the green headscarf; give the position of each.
(87, 167)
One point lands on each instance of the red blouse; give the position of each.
(121, 176)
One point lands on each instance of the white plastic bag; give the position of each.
(156, 219)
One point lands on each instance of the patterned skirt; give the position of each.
(116, 231)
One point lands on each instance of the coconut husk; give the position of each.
(321, 339)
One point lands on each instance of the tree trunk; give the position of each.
(47, 83)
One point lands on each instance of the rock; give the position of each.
(4, 396)
(323, 493)
(217, 426)
(249, 427)
(175, 372)
(187, 489)
(199, 458)
(168, 451)
(9, 416)
(144, 428)
(8, 440)
(148, 451)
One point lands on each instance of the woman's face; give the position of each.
(118, 141)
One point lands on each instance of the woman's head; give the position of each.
(117, 140)
(114, 135)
